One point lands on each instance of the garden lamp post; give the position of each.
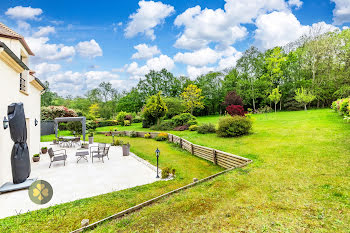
(157, 154)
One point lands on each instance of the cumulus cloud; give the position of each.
(295, 3)
(148, 16)
(229, 62)
(200, 57)
(193, 72)
(44, 31)
(341, 12)
(45, 68)
(23, 13)
(144, 51)
(89, 49)
(45, 51)
(275, 29)
(202, 27)
(157, 63)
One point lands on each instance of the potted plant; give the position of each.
(91, 137)
(126, 149)
(85, 145)
(55, 141)
(36, 158)
(44, 150)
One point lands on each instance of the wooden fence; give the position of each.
(221, 158)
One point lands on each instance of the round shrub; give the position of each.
(193, 128)
(165, 125)
(206, 128)
(235, 110)
(234, 126)
(161, 137)
(127, 123)
(147, 135)
(184, 119)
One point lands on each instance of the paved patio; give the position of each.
(80, 180)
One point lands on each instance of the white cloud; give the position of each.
(157, 63)
(148, 16)
(44, 51)
(229, 62)
(198, 58)
(144, 51)
(345, 27)
(22, 25)
(341, 12)
(23, 13)
(275, 29)
(296, 3)
(202, 27)
(193, 72)
(78, 83)
(89, 49)
(278, 29)
(44, 68)
(44, 31)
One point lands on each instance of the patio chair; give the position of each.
(76, 141)
(58, 155)
(99, 152)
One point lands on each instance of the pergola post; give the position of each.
(69, 119)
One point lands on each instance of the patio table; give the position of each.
(82, 155)
(69, 139)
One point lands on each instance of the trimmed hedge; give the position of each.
(234, 126)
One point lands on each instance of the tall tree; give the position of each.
(193, 98)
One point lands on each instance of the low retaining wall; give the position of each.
(221, 158)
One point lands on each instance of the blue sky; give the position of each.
(79, 44)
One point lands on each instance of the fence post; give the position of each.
(192, 150)
(214, 157)
(172, 138)
(181, 142)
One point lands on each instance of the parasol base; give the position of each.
(10, 187)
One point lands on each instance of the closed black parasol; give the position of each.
(20, 155)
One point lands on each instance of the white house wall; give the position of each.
(9, 93)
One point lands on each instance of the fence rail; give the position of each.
(221, 158)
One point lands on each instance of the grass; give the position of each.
(298, 182)
(67, 217)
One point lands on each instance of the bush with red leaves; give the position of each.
(235, 110)
(232, 99)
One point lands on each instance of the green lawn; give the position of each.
(299, 181)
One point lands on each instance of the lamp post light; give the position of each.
(157, 154)
(5, 123)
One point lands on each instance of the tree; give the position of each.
(94, 111)
(175, 106)
(304, 96)
(232, 99)
(155, 108)
(193, 98)
(275, 96)
(131, 102)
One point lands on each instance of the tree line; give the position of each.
(313, 70)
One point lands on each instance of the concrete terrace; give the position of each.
(80, 180)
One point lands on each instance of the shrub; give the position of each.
(127, 123)
(118, 142)
(165, 125)
(128, 117)
(147, 135)
(165, 172)
(161, 137)
(181, 128)
(184, 119)
(154, 109)
(342, 106)
(52, 112)
(106, 123)
(235, 110)
(137, 119)
(62, 126)
(146, 124)
(91, 125)
(234, 126)
(121, 117)
(193, 128)
(75, 127)
(206, 128)
(265, 109)
(133, 134)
